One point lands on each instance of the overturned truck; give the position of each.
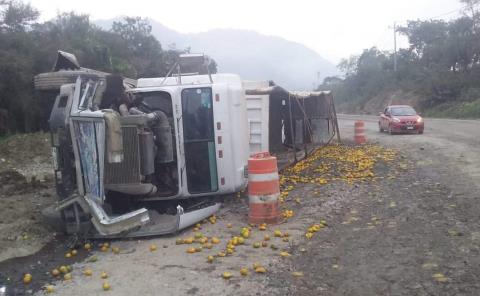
(145, 157)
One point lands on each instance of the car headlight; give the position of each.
(419, 119)
(396, 119)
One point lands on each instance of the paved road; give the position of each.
(447, 142)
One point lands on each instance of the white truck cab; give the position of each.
(147, 160)
(211, 126)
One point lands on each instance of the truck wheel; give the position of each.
(54, 80)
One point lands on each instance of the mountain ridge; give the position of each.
(252, 55)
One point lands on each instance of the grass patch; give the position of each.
(462, 110)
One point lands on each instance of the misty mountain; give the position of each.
(251, 55)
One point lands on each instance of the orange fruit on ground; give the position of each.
(244, 271)
(55, 272)
(49, 289)
(106, 286)
(153, 247)
(27, 278)
(104, 275)
(63, 269)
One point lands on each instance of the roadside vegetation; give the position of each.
(29, 47)
(439, 72)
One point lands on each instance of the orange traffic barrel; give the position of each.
(263, 188)
(360, 132)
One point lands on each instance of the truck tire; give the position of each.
(54, 80)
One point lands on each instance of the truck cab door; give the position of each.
(199, 140)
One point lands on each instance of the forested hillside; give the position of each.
(439, 72)
(29, 47)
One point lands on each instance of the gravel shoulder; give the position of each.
(416, 234)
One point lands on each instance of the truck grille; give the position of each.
(127, 171)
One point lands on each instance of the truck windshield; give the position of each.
(199, 140)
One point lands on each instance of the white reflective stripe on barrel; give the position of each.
(263, 198)
(263, 177)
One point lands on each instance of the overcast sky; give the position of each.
(333, 28)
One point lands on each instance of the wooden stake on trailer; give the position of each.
(292, 135)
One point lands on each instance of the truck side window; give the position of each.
(199, 140)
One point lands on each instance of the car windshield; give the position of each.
(403, 111)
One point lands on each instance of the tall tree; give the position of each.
(146, 51)
(17, 16)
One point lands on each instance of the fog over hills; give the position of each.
(251, 55)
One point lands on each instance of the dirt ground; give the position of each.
(25, 189)
(412, 229)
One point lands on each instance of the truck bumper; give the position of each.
(139, 223)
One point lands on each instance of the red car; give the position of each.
(400, 119)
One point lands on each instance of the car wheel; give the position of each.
(420, 132)
(390, 130)
(380, 129)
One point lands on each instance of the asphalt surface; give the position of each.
(455, 141)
